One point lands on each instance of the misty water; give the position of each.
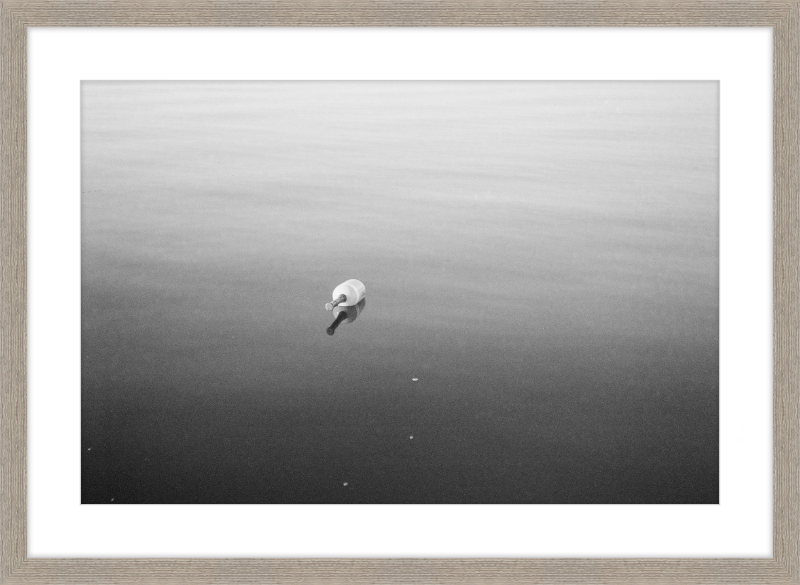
(541, 268)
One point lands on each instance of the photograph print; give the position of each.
(362, 292)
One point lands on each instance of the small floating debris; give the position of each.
(112, 499)
(414, 379)
(347, 294)
(411, 437)
(345, 484)
(89, 449)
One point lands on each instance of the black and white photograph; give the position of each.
(400, 292)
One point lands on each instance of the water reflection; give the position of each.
(346, 315)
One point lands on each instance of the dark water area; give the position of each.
(541, 266)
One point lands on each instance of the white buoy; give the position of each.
(347, 294)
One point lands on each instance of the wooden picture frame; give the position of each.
(784, 19)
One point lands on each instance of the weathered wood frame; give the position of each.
(17, 15)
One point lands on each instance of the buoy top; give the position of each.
(347, 294)
(335, 302)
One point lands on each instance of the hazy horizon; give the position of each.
(541, 256)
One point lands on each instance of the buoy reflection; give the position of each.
(346, 315)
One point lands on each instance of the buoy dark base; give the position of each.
(338, 321)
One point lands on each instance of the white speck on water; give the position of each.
(112, 499)
(411, 437)
(89, 449)
(414, 379)
(345, 484)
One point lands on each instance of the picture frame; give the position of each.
(16, 567)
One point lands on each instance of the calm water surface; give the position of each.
(541, 257)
